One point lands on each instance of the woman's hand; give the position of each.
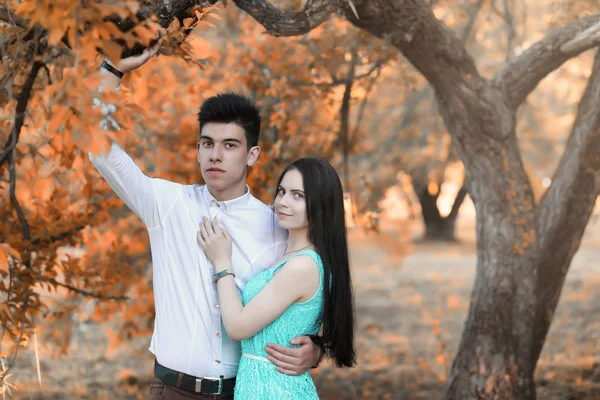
(216, 243)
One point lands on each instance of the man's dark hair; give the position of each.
(232, 108)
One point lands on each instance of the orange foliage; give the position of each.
(73, 253)
(61, 236)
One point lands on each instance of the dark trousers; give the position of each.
(160, 391)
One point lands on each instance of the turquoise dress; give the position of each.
(257, 377)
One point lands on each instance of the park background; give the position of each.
(392, 107)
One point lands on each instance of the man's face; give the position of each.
(223, 155)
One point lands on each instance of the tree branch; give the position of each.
(458, 201)
(9, 150)
(430, 46)
(289, 23)
(81, 291)
(46, 241)
(522, 74)
(376, 67)
(466, 32)
(13, 197)
(586, 39)
(7, 15)
(362, 108)
(567, 205)
(166, 10)
(22, 101)
(423, 92)
(508, 18)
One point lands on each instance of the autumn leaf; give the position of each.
(7, 314)
(112, 50)
(3, 261)
(187, 22)
(43, 188)
(9, 250)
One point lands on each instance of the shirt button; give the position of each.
(218, 333)
(217, 306)
(218, 361)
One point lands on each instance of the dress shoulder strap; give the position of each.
(313, 254)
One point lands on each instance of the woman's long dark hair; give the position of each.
(327, 232)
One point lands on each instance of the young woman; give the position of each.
(307, 291)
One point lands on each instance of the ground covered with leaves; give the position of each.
(411, 302)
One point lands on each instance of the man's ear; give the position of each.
(253, 154)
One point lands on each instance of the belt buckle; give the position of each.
(198, 387)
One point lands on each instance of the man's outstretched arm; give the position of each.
(117, 167)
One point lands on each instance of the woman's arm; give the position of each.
(298, 280)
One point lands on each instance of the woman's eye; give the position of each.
(280, 192)
(298, 196)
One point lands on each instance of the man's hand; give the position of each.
(111, 81)
(294, 360)
(134, 62)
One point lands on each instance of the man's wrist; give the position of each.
(107, 66)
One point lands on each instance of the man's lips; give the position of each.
(214, 170)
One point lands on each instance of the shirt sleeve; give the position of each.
(138, 191)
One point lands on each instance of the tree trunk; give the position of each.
(493, 358)
(575, 188)
(442, 230)
(344, 133)
(437, 227)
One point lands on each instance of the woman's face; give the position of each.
(290, 202)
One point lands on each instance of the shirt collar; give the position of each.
(229, 205)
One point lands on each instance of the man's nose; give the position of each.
(216, 154)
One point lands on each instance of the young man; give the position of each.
(194, 356)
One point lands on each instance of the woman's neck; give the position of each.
(298, 239)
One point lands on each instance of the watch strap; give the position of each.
(222, 274)
(111, 69)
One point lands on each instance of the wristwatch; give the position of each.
(221, 274)
(111, 69)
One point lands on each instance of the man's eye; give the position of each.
(230, 145)
(206, 144)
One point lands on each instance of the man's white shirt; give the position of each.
(188, 333)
